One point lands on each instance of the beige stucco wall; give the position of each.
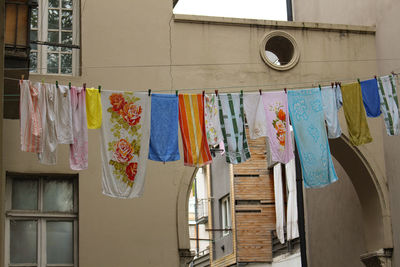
(135, 52)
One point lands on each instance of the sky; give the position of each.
(254, 9)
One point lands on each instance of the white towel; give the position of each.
(49, 142)
(211, 116)
(63, 115)
(292, 222)
(125, 142)
(255, 115)
(279, 209)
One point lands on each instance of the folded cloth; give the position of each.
(93, 108)
(332, 102)
(231, 115)
(370, 96)
(255, 115)
(49, 142)
(307, 117)
(354, 113)
(124, 142)
(193, 130)
(63, 115)
(31, 108)
(276, 110)
(389, 103)
(164, 128)
(211, 116)
(78, 159)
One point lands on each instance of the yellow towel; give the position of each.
(355, 114)
(93, 108)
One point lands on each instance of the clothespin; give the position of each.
(241, 92)
(393, 73)
(176, 92)
(285, 91)
(340, 84)
(336, 84)
(56, 83)
(358, 80)
(375, 77)
(332, 84)
(69, 85)
(204, 92)
(216, 92)
(22, 77)
(99, 88)
(84, 86)
(149, 92)
(319, 86)
(260, 91)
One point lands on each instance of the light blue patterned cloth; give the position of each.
(332, 102)
(307, 116)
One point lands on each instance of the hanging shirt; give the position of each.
(93, 108)
(31, 112)
(124, 142)
(63, 115)
(370, 96)
(354, 113)
(332, 102)
(78, 159)
(231, 115)
(255, 115)
(49, 141)
(389, 103)
(307, 117)
(211, 116)
(193, 131)
(164, 128)
(276, 110)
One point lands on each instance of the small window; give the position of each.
(41, 220)
(279, 50)
(225, 215)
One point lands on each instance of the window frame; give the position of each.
(226, 216)
(42, 36)
(41, 217)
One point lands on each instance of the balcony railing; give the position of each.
(202, 210)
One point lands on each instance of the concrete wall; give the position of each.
(220, 187)
(2, 179)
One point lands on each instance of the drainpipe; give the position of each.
(300, 210)
(289, 10)
(195, 215)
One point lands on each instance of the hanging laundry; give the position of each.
(291, 218)
(370, 96)
(213, 125)
(93, 108)
(193, 131)
(389, 103)
(164, 128)
(63, 114)
(255, 115)
(332, 102)
(231, 115)
(270, 162)
(354, 113)
(307, 117)
(49, 141)
(78, 159)
(31, 112)
(279, 209)
(276, 110)
(124, 142)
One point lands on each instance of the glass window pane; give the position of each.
(33, 37)
(53, 19)
(23, 241)
(33, 62)
(66, 20)
(66, 63)
(67, 3)
(54, 3)
(24, 194)
(34, 18)
(52, 63)
(60, 246)
(54, 38)
(66, 38)
(58, 195)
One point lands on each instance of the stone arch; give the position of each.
(372, 192)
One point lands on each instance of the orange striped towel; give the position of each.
(193, 130)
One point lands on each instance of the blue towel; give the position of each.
(307, 116)
(370, 96)
(164, 128)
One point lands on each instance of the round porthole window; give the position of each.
(279, 50)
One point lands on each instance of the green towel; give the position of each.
(355, 114)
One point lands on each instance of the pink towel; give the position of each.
(79, 149)
(276, 113)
